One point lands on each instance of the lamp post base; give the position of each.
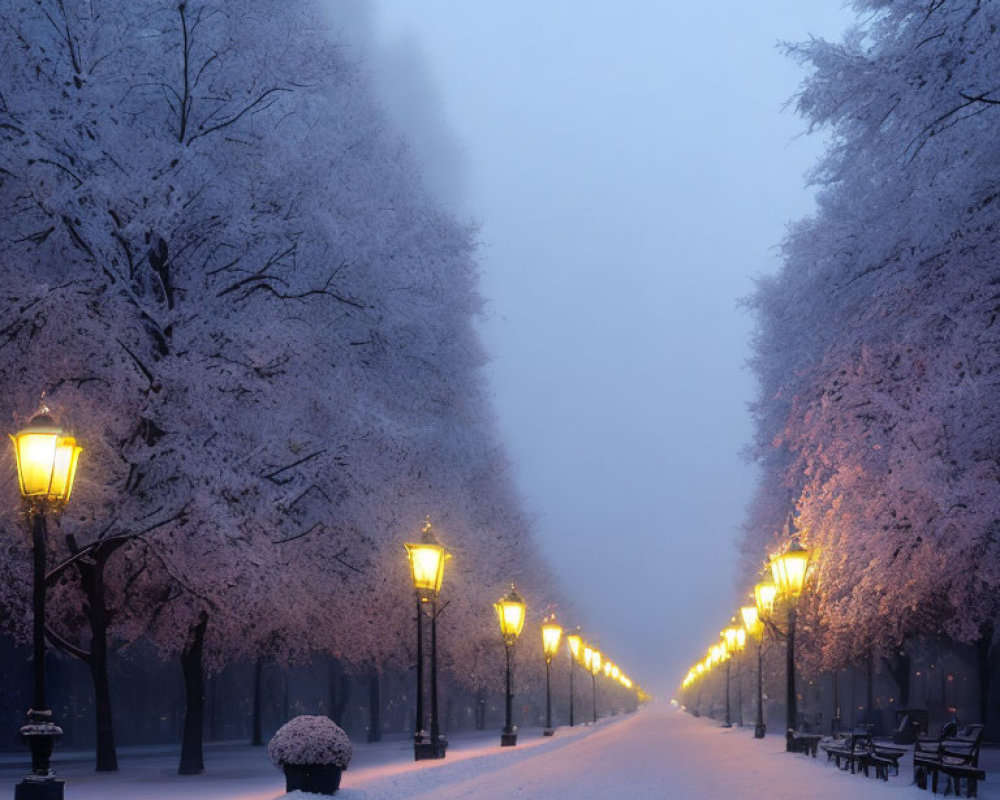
(41, 783)
(35, 787)
(759, 731)
(423, 750)
(508, 739)
(549, 732)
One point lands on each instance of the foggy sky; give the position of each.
(632, 168)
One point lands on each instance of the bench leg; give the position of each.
(934, 780)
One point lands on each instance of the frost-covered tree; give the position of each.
(222, 271)
(876, 343)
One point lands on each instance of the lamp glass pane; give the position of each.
(551, 635)
(764, 594)
(426, 566)
(791, 571)
(64, 467)
(36, 455)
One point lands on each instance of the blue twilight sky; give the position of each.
(632, 169)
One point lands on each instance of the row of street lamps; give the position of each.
(427, 559)
(47, 459)
(788, 572)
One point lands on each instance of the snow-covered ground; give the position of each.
(657, 753)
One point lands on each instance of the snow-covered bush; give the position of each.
(310, 740)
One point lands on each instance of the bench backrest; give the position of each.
(965, 746)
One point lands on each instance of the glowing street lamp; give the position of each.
(575, 643)
(46, 467)
(510, 611)
(729, 639)
(427, 558)
(595, 668)
(755, 630)
(764, 594)
(551, 636)
(789, 572)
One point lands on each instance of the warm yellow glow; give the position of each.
(700, 668)
(615, 672)
(510, 611)
(763, 595)
(46, 461)
(789, 570)
(741, 638)
(607, 669)
(751, 621)
(628, 683)
(588, 656)
(551, 635)
(575, 641)
(427, 559)
(595, 662)
(730, 637)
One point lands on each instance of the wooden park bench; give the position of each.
(807, 743)
(882, 758)
(954, 755)
(852, 751)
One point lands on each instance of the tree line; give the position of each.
(223, 273)
(876, 343)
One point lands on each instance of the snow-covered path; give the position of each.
(656, 754)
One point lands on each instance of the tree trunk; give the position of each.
(192, 758)
(340, 692)
(870, 691)
(899, 668)
(374, 708)
(480, 710)
(92, 583)
(257, 738)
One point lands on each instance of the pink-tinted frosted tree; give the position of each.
(223, 272)
(876, 343)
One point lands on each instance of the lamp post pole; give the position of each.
(508, 737)
(595, 667)
(575, 643)
(46, 467)
(435, 723)
(789, 571)
(421, 718)
(510, 611)
(729, 721)
(572, 669)
(551, 636)
(791, 699)
(754, 626)
(759, 729)
(427, 559)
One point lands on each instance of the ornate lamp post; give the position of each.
(729, 646)
(575, 643)
(763, 596)
(46, 468)
(789, 572)
(510, 611)
(551, 635)
(595, 668)
(427, 558)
